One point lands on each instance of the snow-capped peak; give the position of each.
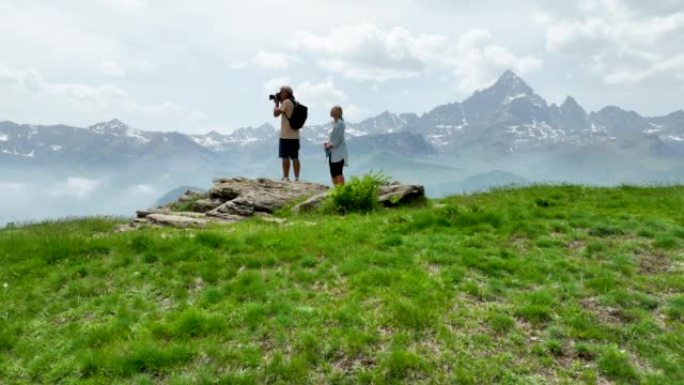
(118, 129)
(112, 125)
(115, 123)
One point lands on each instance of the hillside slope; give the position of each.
(546, 285)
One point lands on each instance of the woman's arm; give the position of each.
(337, 135)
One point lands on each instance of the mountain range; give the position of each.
(508, 117)
(504, 134)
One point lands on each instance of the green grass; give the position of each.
(540, 285)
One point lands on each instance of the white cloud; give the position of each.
(674, 66)
(111, 68)
(240, 65)
(144, 66)
(82, 96)
(273, 85)
(477, 60)
(622, 41)
(272, 60)
(143, 189)
(354, 113)
(320, 94)
(12, 186)
(179, 56)
(38, 35)
(367, 52)
(319, 97)
(104, 100)
(129, 5)
(75, 187)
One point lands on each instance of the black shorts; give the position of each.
(336, 168)
(288, 148)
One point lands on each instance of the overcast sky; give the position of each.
(193, 66)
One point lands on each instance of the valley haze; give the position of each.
(505, 134)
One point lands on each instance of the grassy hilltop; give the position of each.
(540, 285)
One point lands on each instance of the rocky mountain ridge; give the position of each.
(507, 117)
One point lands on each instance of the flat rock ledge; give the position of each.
(235, 199)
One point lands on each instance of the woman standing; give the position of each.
(337, 147)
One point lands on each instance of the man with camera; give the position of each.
(289, 137)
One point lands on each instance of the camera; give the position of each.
(275, 97)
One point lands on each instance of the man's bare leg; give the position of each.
(296, 169)
(286, 168)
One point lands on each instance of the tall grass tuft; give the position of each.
(358, 195)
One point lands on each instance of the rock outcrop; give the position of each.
(397, 194)
(244, 197)
(235, 199)
(229, 200)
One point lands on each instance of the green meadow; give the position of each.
(538, 285)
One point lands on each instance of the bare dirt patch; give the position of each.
(653, 262)
(576, 245)
(520, 244)
(605, 314)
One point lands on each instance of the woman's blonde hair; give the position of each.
(339, 110)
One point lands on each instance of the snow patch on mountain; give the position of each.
(511, 98)
(439, 140)
(540, 131)
(451, 127)
(597, 129)
(354, 132)
(656, 128)
(209, 142)
(107, 127)
(16, 153)
(137, 135)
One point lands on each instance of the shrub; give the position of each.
(399, 364)
(7, 338)
(605, 231)
(554, 347)
(210, 239)
(148, 358)
(500, 323)
(357, 195)
(212, 295)
(536, 314)
(585, 351)
(666, 242)
(615, 365)
(675, 310)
